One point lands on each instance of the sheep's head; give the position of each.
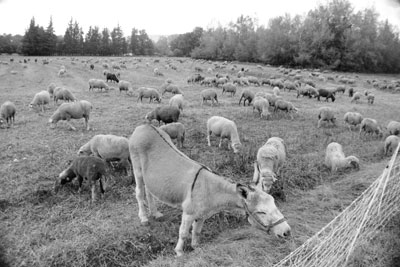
(149, 116)
(267, 178)
(353, 162)
(236, 147)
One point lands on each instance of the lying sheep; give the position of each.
(261, 105)
(7, 113)
(328, 94)
(393, 128)
(63, 94)
(40, 99)
(335, 158)
(177, 101)
(284, 105)
(209, 94)
(85, 168)
(99, 84)
(171, 88)
(371, 127)
(391, 143)
(246, 95)
(166, 114)
(270, 159)
(229, 88)
(223, 128)
(108, 147)
(51, 88)
(326, 114)
(75, 110)
(124, 86)
(356, 97)
(175, 130)
(150, 93)
(352, 119)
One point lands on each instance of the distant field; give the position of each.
(41, 228)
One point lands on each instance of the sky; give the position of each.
(161, 17)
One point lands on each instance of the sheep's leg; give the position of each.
(152, 207)
(42, 108)
(80, 180)
(196, 230)
(220, 142)
(140, 189)
(93, 189)
(208, 137)
(187, 221)
(87, 123)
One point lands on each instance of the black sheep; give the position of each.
(112, 77)
(327, 94)
(86, 167)
(166, 114)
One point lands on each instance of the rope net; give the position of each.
(333, 244)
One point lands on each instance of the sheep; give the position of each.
(75, 110)
(107, 147)
(85, 168)
(209, 81)
(171, 88)
(351, 92)
(352, 119)
(270, 159)
(371, 127)
(97, 83)
(51, 88)
(63, 94)
(229, 88)
(61, 72)
(253, 80)
(307, 90)
(335, 158)
(209, 94)
(150, 93)
(326, 114)
(7, 113)
(340, 88)
(323, 92)
(246, 95)
(166, 114)
(285, 105)
(195, 78)
(289, 85)
(272, 98)
(177, 101)
(370, 97)
(111, 77)
(223, 128)
(356, 97)
(391, 143)
(40, 99)
(124, 86)
(276, 91)
(393, 128)
(91, 66)
(175, 130)
(261, 105)
(157, 72)
(222, 81)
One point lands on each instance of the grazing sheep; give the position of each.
(40, 99)
(51, 88)
(124, 86)
(150, 93)
(391, 143)
(97, 83)
(393, 128)
(284, 105)
(307, 90)
(209, 94)
(7, 113)
(370, 97)
(253, 80)
(289, 85)
(326, 114)
(75, 110)
(352, 119)
(272, 98)
(261, 105)
(356, 97)
(175, 130)
(209, 81)
(85, 168)
(63, 94)
(270, 159)
(340, 88)
(157, 72)
(177, 101)
(335, 158)
(195, 78)
(223, 128)
(351, 92)
(166, 114)
(246, 95)
(61, 72)
(229, 88)
(322, 92)
(111, 77)
(371, 127)
(171, 88)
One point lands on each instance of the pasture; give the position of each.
(41, 228)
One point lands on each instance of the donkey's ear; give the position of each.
(243, 190)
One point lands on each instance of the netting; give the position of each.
(333, 244)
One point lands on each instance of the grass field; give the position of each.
(41, 228)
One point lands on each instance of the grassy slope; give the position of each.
(39, 228)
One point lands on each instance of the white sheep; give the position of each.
(177, 101)
(151, 93)
(370, 97)
(261, 105)
(209, 94)
(175, 130)
(124, 86)
(223, 128)
(270, 159)
(276, 91)
(157, 72)
(326, 114)
(40, 99)
(74, 110)
(51, 88)
(61, 72)
(284, 105)
(393, 128)
(63, 94)
(391, 143)
(7, 113)
(171, 88)
(335, 158)
(356, 97)
(352, 119)
(371, 127)
(99, 84)
(229, 88)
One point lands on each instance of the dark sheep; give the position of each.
(91, 66)
(112, 77)
(326, 93)
(166, 114)
(246, 95)
(351, 92)
(85, 167)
